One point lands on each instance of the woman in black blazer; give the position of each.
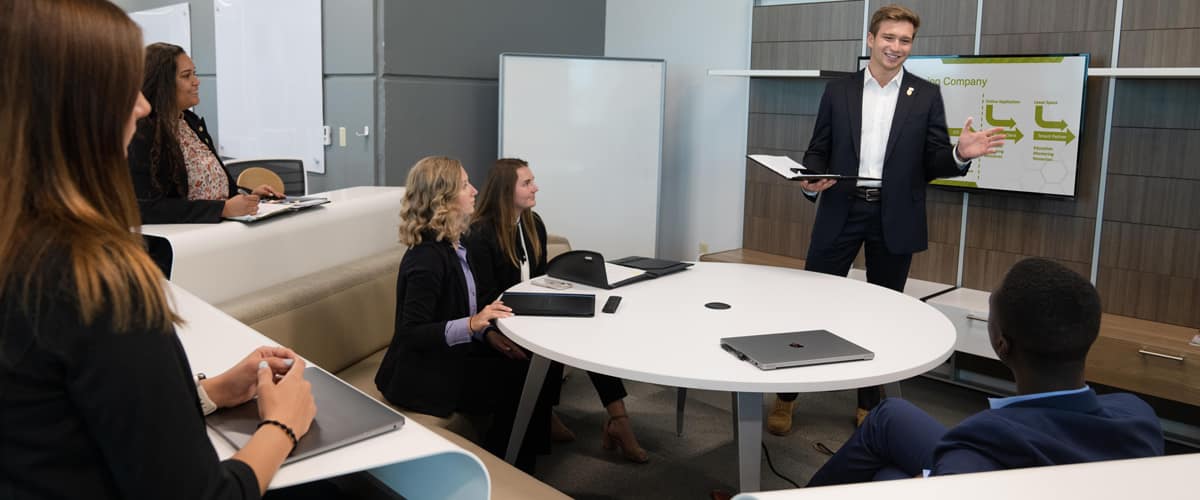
(445, 355)
(97, 398)
(177, 174)
(508, 243)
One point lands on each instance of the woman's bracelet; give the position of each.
(291, 435)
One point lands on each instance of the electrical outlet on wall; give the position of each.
(703, 248)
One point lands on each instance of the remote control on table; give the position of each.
(611, 305)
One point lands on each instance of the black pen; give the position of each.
(247, 191)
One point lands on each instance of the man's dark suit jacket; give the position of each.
(419, 371)
(162, 194)
(918, 151)
(1068, 429)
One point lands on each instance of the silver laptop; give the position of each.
(344, 416)
(784, 350)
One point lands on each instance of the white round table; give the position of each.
(662, 333)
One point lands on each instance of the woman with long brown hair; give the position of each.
(177, 173)
(508, 242)
(96, 395)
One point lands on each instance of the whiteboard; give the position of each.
(171, 24)
(1036, 99)
(269, 81)
(591, 129)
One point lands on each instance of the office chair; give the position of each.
(290, 171)
(256, 176)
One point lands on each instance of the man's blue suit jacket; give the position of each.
(918, 151)
(1059, 430)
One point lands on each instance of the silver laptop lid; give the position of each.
(344, 416)
(783, 350)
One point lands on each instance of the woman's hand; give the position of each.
(494, 310)
(266, 191)
(506, 347)
(242, 204)
(239, 383)
(288, 401)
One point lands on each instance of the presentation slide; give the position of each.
(1038, 100)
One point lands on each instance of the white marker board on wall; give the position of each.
(591, 129)
(171, 24)
(269, 80)
(1038, 101)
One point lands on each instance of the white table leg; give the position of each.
(748, 439)
(538, 366)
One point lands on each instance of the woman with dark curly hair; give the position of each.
(176, 171)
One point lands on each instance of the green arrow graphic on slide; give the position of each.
(1064, 137)
(1014, 135)
(999, 122)
(1042, 122)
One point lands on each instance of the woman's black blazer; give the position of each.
(168, 203)
(494, 273)
(419, 371)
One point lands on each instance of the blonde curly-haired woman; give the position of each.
(445, 355)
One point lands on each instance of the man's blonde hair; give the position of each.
(894, 12)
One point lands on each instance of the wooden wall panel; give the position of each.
(1160, 33)
(1159, 15)
(983, 269)
(838, 55)
(1048, 16)
(1150, 245)
(938, 17)
(1160, 48)
(1151, 249)
(1156, 297)
(822, 21)
(1155, 152)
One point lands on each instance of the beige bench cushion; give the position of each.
(335, 318)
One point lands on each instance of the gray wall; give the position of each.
(439, 71)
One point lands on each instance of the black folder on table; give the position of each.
(345, 416)
(588, 267)
(550, 304)
(655, 267)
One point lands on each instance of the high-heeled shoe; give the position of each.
(613, 435)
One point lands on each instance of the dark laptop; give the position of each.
(344, 416)
(784, 350)
(550, 304)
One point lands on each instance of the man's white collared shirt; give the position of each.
(878, 108)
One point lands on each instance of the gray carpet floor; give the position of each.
(704, 458)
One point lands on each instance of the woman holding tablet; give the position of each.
(177, 173)
(508, 244)
(97, 399)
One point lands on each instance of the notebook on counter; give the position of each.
(344, 416)
(273, 208)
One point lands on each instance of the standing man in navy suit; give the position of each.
(884, 123)
(1043, 320)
